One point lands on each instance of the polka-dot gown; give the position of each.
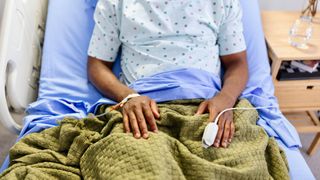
(163, 35)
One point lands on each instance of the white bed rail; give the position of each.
(21, 37)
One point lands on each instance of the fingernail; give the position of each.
(224, 144)
(229, 140)
(145, 136)
(137, 135)
(155, 131)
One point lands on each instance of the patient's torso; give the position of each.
(163, 35)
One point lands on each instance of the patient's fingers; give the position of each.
(134, 125)
(150, 118)
(154, 109)
(141, 122)
(233, 129)
(213, 112)
(221, 124)
(126, 123)
(231, 132)
(202, 108)
(226, 131)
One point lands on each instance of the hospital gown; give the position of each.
(159, 35)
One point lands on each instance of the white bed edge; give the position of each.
(21, 35)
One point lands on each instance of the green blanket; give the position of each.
(93, 148)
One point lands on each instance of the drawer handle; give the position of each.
(310, 87)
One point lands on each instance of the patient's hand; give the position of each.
(226, 126)
(137, 112)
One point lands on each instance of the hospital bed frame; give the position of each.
(20, 57)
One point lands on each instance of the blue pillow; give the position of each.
(257, 56)
(68, 32)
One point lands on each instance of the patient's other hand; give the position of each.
(226, 126)
(137, 112)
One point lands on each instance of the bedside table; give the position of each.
(299, 100)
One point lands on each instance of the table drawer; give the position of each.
(298, 96)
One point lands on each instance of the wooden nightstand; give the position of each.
(298, 99)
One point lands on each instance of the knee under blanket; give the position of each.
(93, 148)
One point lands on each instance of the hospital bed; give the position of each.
(64, 89)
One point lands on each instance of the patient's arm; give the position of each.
(101, 75)
(236, 75)
(137, 111)
(234, 81)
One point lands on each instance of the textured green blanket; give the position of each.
(98, 149)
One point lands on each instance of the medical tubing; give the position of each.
(120, 104)
(241, 108)
(105, 113)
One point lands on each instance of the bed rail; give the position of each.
(21, 37)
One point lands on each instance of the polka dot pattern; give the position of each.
(163, 35)
(105, 40)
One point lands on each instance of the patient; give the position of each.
(159, 36)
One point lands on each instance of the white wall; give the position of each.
(290, 5)
(1, 5)
(1, 9)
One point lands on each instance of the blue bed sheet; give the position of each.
(298, 167)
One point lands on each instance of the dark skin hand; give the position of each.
(234, 81)
(137, 112)
(140, 111)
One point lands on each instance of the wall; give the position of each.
(290, 5)
(1, 9)
(1, 6)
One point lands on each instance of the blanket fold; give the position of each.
(93, 148)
